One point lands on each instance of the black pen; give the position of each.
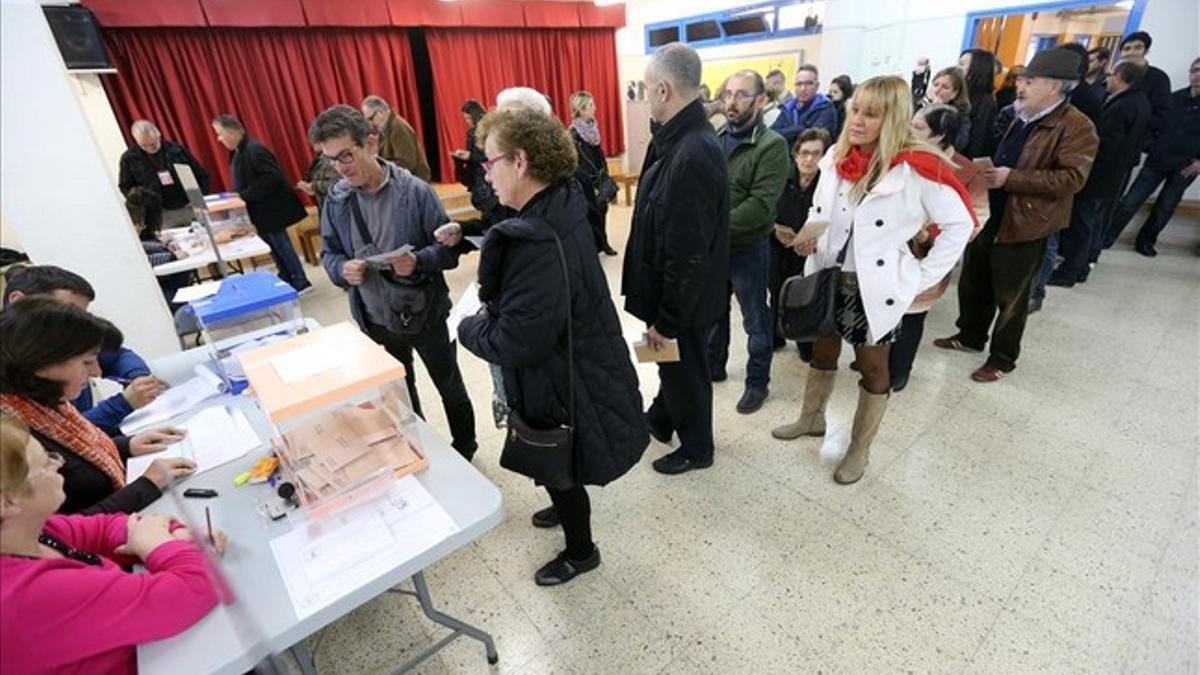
(208, 521)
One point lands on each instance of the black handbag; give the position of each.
(807, 304)
(603, 186)
(409, 300)
(546, 455)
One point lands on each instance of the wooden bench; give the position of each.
(628, 181)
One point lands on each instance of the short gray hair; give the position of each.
(376, 103)
(337, 121)
(144, 127)
(679, 64)
(524, 97)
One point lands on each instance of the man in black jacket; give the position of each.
(272, 205)
(1120, 127)
(1155, 83)
(676, 272)
(150, 164)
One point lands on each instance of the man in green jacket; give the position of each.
(758, 169)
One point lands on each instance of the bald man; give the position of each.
(150, 164)
(676, 274)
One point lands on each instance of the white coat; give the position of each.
(889, 275)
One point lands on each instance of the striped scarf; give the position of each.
(69, 428)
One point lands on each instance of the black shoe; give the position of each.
(563, 569)
(677, 462)
(805, 351)
(1035, 306)
(658, 434)
(305, 289)
(778, 343)
(1147, 251)
(854, 366)
(546, 518)
(608, 250)
(1060, 280)
(752, 400)
(899, 385)
(719, 375)
(1083, 277)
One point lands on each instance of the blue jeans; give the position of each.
(1051, 257)
(749, 269)
(1164, 207)
(286, 260)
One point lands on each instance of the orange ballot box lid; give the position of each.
(322, 368)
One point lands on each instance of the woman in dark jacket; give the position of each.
(592, 169)
(840, 91)
(980, 68)
(468, 160)
(48, 353)
(522, 328)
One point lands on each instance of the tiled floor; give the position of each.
(1045, 523)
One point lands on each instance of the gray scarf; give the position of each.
(587, 130)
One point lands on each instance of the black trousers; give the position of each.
(575, 512)
(904, 349)
(599, 222)
(1075, 244)
(438, 354)
(995, 285)
(684, 401)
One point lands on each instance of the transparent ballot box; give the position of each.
(343, 422)
(249, 311)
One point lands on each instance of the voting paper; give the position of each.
(215, 436)
(174, 401)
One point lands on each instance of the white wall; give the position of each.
(56, 186)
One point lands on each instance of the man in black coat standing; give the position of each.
(676, 272)
(270, 201)
(1122, 123)
(1155, 83)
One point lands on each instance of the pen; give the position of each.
(208, 521)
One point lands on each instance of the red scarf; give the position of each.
(69, 428)
(928, 165)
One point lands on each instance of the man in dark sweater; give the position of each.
(758, 168)
(1173, 161)
(150, 164)
(676, 271)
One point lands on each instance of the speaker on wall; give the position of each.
(78, 37)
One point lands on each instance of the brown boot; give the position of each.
(866, 422)
(812, 415)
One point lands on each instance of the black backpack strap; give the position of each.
(359, 221)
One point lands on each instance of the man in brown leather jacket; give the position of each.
(398, 142)
(1043, 159)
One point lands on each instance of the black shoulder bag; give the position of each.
(603, 186)
(807, 304)
(409, 300)
(546, 455)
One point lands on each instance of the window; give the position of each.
(764, 21)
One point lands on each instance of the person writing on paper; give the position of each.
(67, 603)
(523, 327)
(48, 351)
(402, 304)
(878, 187)
(145, 212)
(119, 364)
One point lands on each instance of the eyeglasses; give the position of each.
(810, 153)
(739, 95)
(806, 83)
(488, 163)
(345, 157)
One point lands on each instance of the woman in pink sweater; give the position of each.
(66, 604)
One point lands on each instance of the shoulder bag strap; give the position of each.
(359, 221)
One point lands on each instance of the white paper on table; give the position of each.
(174, 401)
(468, 305)
(300, 364)
(477, 242)
(324, 560)
(387, 258)
(190, 293)
(215, 436)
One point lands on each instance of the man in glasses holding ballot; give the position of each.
(377, 227)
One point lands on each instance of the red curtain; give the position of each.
(276, 80)
(471, 63)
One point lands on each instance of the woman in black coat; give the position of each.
(468, 160)
(980, 68)
(523, 330)
(592, 168)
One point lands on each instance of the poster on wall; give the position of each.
(717, 70)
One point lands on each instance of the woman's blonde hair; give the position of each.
(14, 457)
(547, 145)
(578, 100)
(889, 97)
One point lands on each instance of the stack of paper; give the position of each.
(328, 558)
(215, 436)
(174, 401)
(467, 305)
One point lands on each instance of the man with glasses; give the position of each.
(808, 110)
(396, 138)
(382, 212)
(758, 167)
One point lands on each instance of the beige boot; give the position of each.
(812, 415)
(866, 422)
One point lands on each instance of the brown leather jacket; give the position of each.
(1054, 165)
(398, 144)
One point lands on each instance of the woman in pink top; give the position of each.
(66, 604)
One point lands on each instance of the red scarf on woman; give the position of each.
(928, 165)
(69, 428)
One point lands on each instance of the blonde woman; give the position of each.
(592, 172)
(878, 187)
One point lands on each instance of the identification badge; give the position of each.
(164, 177)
